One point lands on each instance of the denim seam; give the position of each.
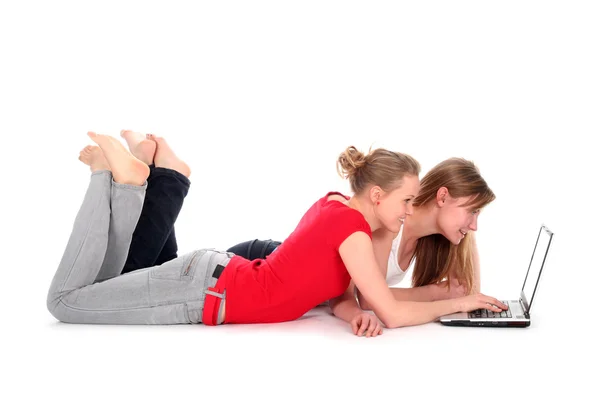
(81, 246)
(126, 309)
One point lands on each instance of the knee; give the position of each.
(56, 307)
(52, 302)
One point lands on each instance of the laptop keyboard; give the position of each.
(484, 313)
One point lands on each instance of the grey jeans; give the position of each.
(88, 288)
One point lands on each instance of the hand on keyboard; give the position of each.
(483, 313)
(480, 301)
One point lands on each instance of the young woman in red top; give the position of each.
(330, 246)
(438, 238)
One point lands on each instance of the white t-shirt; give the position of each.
(394, 274)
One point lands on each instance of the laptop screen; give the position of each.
(535, 266)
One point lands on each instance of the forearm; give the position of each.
(422, 293)
(345, 306)
(409, 313)
(442, 291)
(346, 309)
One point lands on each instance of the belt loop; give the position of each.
(216, 294)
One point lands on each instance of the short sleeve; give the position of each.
(342, 221)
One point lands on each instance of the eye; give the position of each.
(407, 201)
(475, 212)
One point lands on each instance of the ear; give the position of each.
(442, 196)
(375, 193)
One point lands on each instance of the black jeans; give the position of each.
(253, 249)
(154, 242)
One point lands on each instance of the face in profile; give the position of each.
(395, 205)
(456, 219)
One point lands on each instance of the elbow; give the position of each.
(396, 316)
(389, 314)
(395, 323)
(390, 323)
(390, 320)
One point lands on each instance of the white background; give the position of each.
(260, 97)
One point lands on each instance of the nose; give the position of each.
(473, 224)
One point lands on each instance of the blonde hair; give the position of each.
(380, 167)
(436, 258)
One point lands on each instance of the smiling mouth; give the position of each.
(463, 233)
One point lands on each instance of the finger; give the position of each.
(380, 330)
(372, 328)
(364, 325)
(491, 306)
(354, 324)
(497, 303)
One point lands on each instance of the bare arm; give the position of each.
(357, 253)
(476, 267)
(382, 247)
(345, 306)
(422, 293)
(347, 301)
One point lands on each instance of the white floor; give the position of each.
(316, 356)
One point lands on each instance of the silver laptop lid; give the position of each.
(538, 258)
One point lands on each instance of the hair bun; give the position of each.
(350, 162)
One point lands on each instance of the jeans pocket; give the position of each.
(174, 269)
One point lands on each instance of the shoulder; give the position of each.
(336, 196)
(343, 214)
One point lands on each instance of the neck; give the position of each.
(422, 222)
(365, 207)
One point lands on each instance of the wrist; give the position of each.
(349, 315)
(457, 305)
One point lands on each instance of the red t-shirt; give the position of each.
(304, 271)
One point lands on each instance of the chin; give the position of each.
(460, 239)
(394, 227)
(454, 240)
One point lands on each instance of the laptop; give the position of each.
(518, 313)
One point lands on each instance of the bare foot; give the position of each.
(166, 158)
(94, 157)
(124, 166)
(142, 148)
